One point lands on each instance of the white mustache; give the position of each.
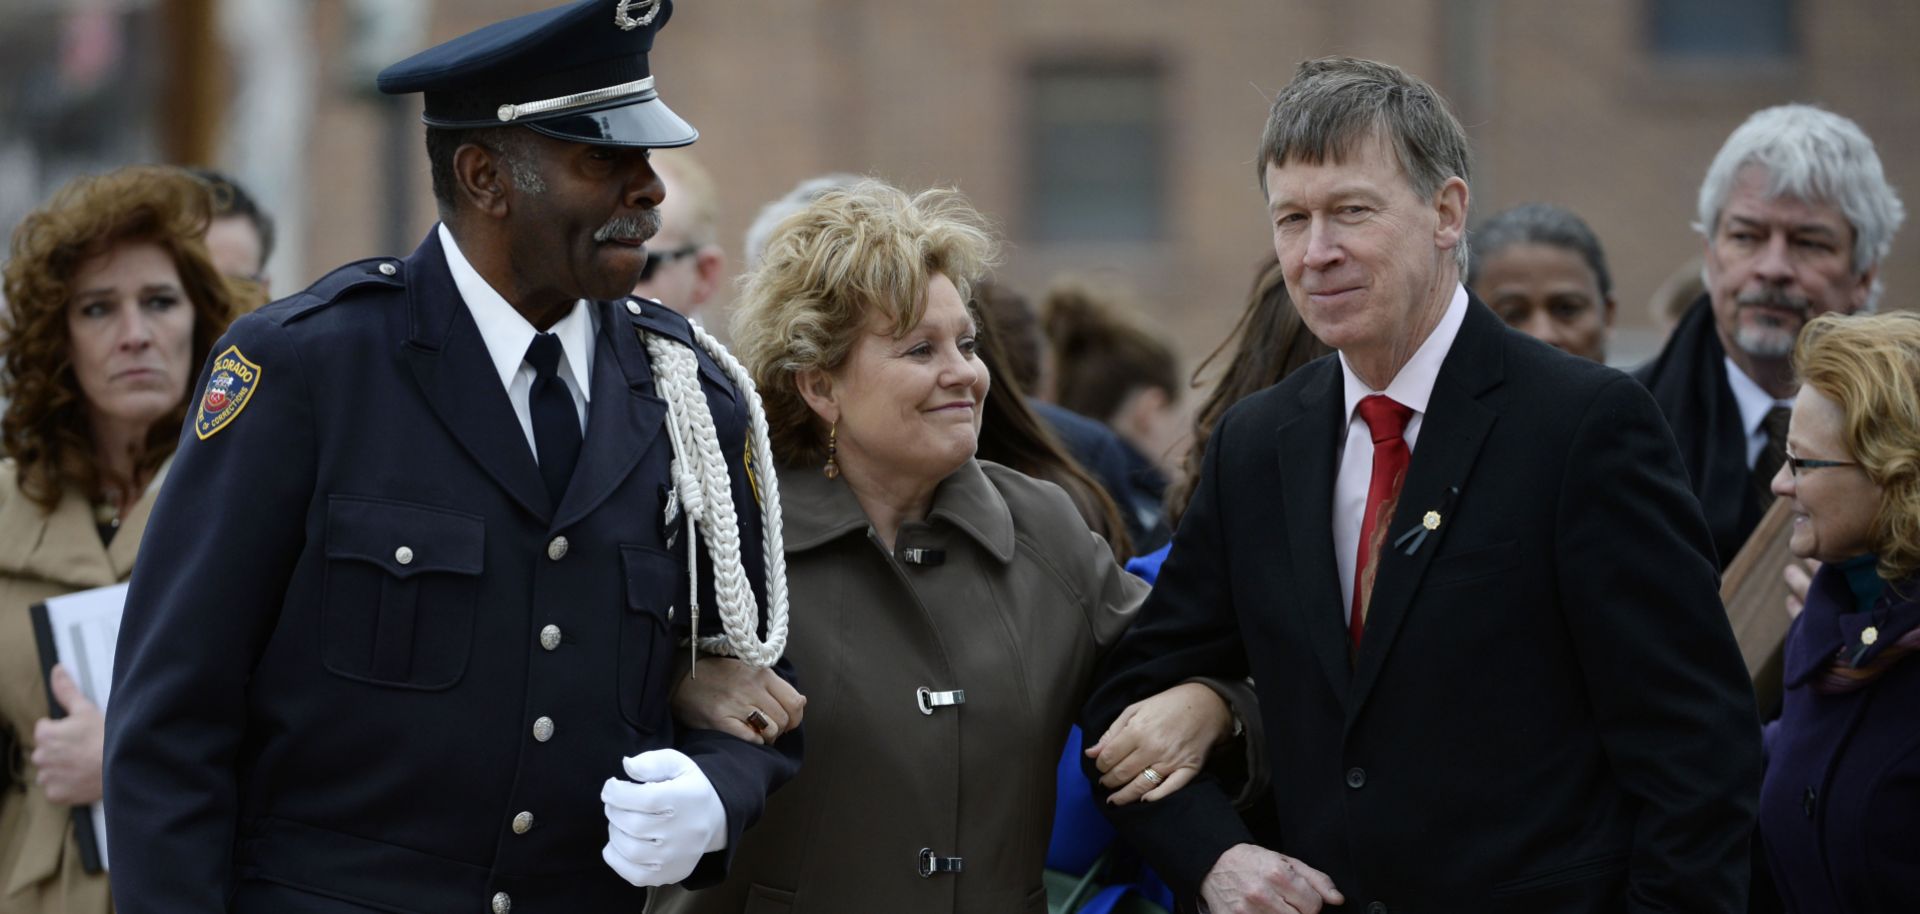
(631, 228)
(1777, 298)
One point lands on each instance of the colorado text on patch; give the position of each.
(229, 387)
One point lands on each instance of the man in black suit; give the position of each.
(404, 628)
(1463, 570)
(1797, 215)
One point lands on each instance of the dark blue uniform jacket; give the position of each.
(333, 692)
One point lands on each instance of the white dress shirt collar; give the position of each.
(1754, 403)
(507, 334)
(1413, 386)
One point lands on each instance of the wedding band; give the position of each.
(1153, 777)
(758, 721)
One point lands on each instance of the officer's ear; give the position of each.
(817, 388)
(480, 179)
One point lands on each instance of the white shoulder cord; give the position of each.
(700, 479)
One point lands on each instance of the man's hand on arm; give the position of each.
(663, 821)
(1253, 880)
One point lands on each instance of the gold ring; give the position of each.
(758, 721)
(1153, 777)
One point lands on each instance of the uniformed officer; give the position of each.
(409, 601)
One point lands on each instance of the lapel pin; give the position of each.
(1868, 636)
(1410, 542)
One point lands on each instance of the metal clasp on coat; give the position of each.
(928, 699)
(916, 555)
(929, 864)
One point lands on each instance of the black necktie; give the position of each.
(1772, 455)
(556, 422)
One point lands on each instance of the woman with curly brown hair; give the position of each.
(112, 305)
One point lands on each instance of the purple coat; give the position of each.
(1840, 805)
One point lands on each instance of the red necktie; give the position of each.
(1386, 420)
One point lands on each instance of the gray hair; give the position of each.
(1540, 223)
(787, 206)
(1334, 104)
(515, 150)
(1815, 155)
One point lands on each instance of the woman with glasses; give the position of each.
(1837, 807)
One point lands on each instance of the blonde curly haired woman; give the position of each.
(1843, 761)
(955, 609)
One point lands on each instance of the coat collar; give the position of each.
(1688, 379)
(1829, 626)
(64, 546)
(818, 510)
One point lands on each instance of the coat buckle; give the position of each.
(929, 864)
(928, 699)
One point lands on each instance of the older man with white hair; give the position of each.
(1798, 216)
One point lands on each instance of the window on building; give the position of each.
(1096, 169)
(1722, 29)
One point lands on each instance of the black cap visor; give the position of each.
(647, 123)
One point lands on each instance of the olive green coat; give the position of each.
(1016, 611)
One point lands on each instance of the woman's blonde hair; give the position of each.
(860, 250)
(1870, 366)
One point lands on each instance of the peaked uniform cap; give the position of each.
(576, 72)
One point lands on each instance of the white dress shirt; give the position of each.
(1411, 388)
(508, 335)
(1755, 403)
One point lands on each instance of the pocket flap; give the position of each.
(404, 539)
(652, 579)
(1472, 563)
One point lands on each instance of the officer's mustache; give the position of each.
(1775, 297)
(630, 228)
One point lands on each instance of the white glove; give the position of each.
(659, 828)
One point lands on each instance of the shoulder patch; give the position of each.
(229, 387)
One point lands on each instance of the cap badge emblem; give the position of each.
(626, 22)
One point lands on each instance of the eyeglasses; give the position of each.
(656, 258)
(1798, 464)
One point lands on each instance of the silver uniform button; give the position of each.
(543, 728)
(403, 555)
(550, 637)
(633, 307)
(502, 903)
(557, 548)
(522, 822)
(388, 269)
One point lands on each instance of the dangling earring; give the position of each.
(832, 469)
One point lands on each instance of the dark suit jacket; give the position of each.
(1548, 711)
(305, 717)
(1688, 380)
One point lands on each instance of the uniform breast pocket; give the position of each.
(647, 635)
(401, 580)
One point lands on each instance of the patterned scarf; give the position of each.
(1842, 675)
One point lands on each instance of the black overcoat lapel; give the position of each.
(624, 418)
(1455, 426)
(449, 360)
(1307, 442)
